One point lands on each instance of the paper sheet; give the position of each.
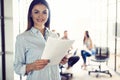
(56, 49)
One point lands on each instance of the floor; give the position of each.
(81, 74)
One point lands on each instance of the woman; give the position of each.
(88, 48)
(30, 45)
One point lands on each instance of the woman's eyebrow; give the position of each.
(38, 10)
(35, 10)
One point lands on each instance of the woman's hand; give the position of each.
(64, 60)
(37, 65)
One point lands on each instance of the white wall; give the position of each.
(8, 13)
(80, 15)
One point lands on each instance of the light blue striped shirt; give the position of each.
(28, 48)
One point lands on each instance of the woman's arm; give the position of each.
(19, 60)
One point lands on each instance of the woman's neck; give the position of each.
(40, 28)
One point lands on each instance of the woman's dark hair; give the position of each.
(87, 34)
(30, 20)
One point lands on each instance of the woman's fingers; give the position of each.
(40, 64)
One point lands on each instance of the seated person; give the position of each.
(88, 49)
(72, 59)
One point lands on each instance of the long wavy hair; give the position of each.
(87, 34)
(30, 23)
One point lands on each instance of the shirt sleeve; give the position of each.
(19, 62)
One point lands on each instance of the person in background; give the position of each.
(88, 48)
(65, 35)
(53, 30)
(30, 44)
(58, 34)
(72, 59)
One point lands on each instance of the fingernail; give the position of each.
(48, 61)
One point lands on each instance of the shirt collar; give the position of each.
(34, 30)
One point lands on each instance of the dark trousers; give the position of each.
(84, 55)
(72, 60)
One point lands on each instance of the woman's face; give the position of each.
(39, 14)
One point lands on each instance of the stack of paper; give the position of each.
(56, 49)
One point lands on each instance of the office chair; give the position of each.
(102, 55)
(67, 75)
(64, 75)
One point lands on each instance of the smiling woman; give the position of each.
(30, 45)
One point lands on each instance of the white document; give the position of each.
(56, 49)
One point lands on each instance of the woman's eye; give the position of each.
(36, 12)
(44, 12)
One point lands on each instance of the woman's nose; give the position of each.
(40, 15)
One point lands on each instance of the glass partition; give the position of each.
(114, 40)
(0, 54)
(118, 37)
(0, 46)
(0, 25)
(111, 31)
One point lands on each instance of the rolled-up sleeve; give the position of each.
(19, 62)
